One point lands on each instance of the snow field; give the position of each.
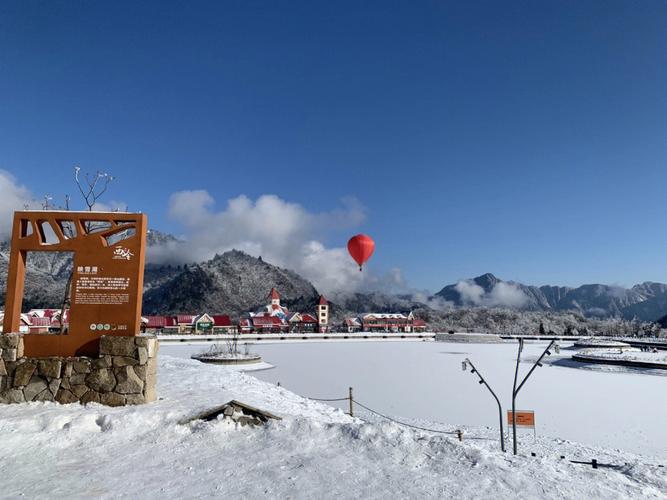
(73, 451)
(598, 405)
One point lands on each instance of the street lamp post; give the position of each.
(500, 410)
(515, 389)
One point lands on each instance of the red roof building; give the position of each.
(221, 320)
(155, 322)
(39, 325)
(185, 319)
(266, 323)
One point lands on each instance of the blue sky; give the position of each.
(523, 138)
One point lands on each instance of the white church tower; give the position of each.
(323, 314)
(275, 299)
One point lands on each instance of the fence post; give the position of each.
(351, 404)
(594, 463)
(459, 434)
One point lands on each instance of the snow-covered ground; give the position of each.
(71, 451)
(632, 354)
(601, 343)
(599, 405)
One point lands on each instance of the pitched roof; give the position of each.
(419, 322)
(295, 316)
(273, 294)
(43, 313)
(308, 318)
(222, 320)
(156, 321)
(37, 321)
(202, 316)
(185, 318)
(266, 321)
(384, 316)
(323, 301)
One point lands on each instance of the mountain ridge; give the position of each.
(646, 301)
(235, 282)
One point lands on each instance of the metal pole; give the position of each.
(516, 389)
(535, 365)
(500, 409)
(516, 374)
(351, 404)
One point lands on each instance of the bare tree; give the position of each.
(96, 186)
(91, 187)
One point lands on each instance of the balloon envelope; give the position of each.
(361, 248)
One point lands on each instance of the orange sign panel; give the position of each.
(524, 418)
(107, 279)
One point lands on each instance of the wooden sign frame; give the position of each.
(108, 273)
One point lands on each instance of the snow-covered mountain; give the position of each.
(233, 282)
(646, 301)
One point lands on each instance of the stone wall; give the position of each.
(125, 373)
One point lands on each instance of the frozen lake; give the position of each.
(424, 380)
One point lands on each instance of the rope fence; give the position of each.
(459, 433)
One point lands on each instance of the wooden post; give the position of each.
(459, 434)
(351, 404)
(594, 463)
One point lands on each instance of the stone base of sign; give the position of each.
(125, 373)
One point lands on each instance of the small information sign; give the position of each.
(524, 418)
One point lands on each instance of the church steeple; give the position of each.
(275, 297)
(323, 314)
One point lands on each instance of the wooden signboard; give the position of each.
(108, 272)
(524, 418)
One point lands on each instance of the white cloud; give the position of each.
(501, 295)
(13, 196)
(507, 295)
(282, 233)
(470, 292)
(433, 301)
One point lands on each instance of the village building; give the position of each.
(275, 318)
(185, 323)
(39, 325)
(40, 321)
(323, 314)
(302, 323)
(222, 323)
(153, 324)
(202, 323)
(352, 325)
(189, 324)
(419, 326)
(384, 322)
(266, 323)
(24, 325)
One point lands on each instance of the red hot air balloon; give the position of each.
(361, 248)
